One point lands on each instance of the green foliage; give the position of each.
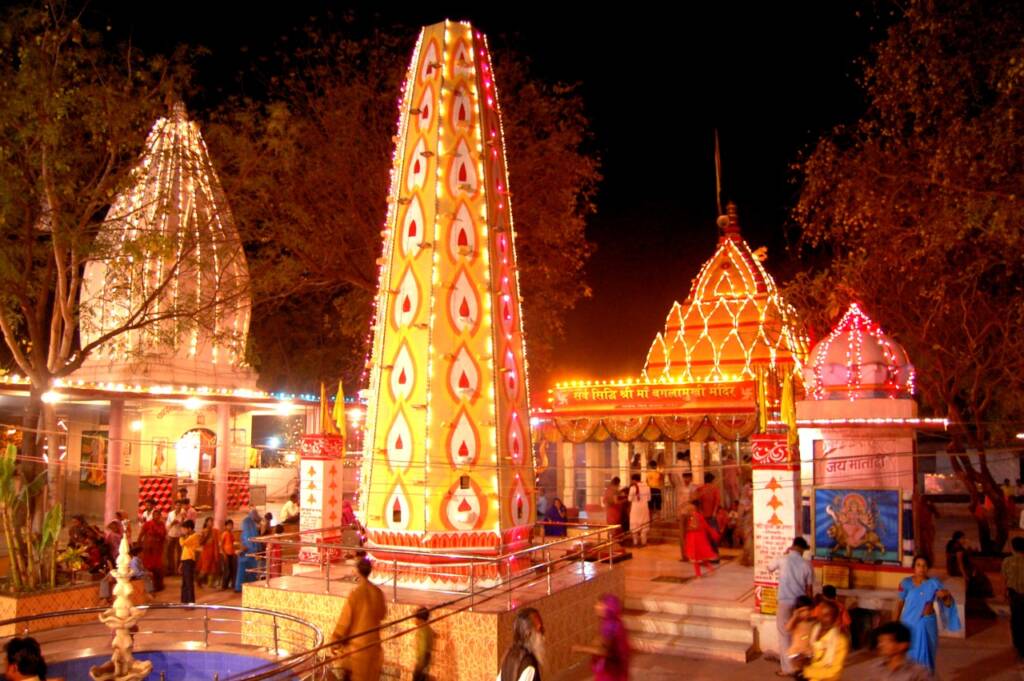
(306, 163)
(916, 211)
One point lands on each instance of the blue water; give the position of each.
(177, 665)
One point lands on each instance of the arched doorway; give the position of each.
(196, 452)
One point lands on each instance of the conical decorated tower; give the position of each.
(447, 461)
(167, 293)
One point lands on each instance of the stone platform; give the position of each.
(470, 643)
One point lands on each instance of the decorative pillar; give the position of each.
(595, 472)
(121, 618)
(777, 508)
(220, 471)
(623, 453)
(115, 448)
(320, 490)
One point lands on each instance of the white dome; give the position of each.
(169, 262)
(858, 360)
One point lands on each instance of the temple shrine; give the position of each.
(714, 377)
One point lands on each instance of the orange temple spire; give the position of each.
(447, 459)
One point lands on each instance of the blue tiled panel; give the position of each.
(177, 665)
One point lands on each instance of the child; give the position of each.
(424, 645)
(139, 571)
(274, 555)
(828, 593)
(698, 548)
(800, 627)
(189, 551)
(230, 557)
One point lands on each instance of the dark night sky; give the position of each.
(656, 82)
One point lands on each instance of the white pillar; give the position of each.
(220, 471)
(697, 462)
(595, 472)
(116, 435)
(569, 481)
(623, 454)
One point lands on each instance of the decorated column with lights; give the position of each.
(777, 507)
(447, 458)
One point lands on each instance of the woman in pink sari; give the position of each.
(610, 652)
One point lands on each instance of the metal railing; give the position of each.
(597, 544)
(175, 626)
(464, 572)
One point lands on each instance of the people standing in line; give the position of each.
(525, 657)
(358, 628)
(639, 512)
(1013, 592)
(654, 480)
(290, 510)
(556, 514)
(916, 609)
(189, 541)
(424, 645)
(610, 651)
(247, 554)
(24, 660)
(709, 499)
(153, 536)
(610, 502)
(686, 495)
(698, 538)
(829, 644)
(229, 558)
(795, 579)
(892, 641)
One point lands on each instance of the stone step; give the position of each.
(691, 626)
(680, 646)
(661, 604)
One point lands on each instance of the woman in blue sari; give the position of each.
(918, 597)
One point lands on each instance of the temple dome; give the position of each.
(169, 266)
(858, 360)
(733, 322)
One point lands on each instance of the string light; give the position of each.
(201, 267)
(867, 348)
(734, 321)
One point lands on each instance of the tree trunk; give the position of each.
(54, 465)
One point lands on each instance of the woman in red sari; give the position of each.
(153, 537)
(208, 564)
(698, 548)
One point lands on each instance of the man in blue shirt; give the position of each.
(795, 579)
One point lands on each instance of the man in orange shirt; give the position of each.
(227, 549)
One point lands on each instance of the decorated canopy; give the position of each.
(169, 268)
(733, 322)
(447, 460)
(858, 360)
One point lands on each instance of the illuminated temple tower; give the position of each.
(447, 461)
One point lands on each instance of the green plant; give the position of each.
(32, 556)
(72, 558)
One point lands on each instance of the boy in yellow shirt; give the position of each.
(189, 551)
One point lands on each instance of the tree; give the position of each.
(73, 119)
(916, 210)
(306, 162)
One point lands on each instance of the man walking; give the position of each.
(1013, 578)
(795, 579)
(358, 628)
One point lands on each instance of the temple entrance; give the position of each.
(197, 459)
